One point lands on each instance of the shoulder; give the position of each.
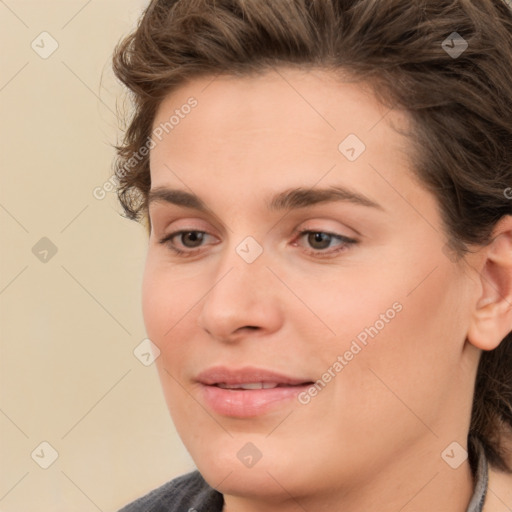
(185, 492)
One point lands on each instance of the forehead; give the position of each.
(312, 109)
(283, 127)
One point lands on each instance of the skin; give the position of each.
(372, 438)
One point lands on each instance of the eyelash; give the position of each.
(347, 242)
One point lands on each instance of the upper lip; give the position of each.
(246, 375)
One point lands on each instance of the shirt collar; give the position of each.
(480, 477)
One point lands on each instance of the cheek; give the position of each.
(404, 342)
(412, 361)
(155, 304)
(170, 305)
(166, 300)
(356, 305)
(163, 307)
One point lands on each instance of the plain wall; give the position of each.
(70, 321)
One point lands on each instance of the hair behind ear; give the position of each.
(491, 420)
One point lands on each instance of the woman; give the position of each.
(328, 281)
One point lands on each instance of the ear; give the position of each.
(491, 319)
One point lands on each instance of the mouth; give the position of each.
(248, 392)
(257, 385)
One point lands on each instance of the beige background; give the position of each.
(69, 325)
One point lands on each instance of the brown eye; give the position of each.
(191, 239)
(320, 243)
(185, 242)
(319, 240)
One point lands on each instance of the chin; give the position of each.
(262, 481)
(236, 465)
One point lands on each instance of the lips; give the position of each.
(250, 385)
(232, 377)
(249, 391)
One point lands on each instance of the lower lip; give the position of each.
(241, 403)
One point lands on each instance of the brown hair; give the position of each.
(460, 106)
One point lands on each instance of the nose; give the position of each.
(244, 300)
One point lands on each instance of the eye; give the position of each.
(190, 239)
(321, 240)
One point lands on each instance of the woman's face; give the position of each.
(360, 321)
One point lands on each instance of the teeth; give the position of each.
(248, 385)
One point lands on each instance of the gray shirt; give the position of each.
(191, 493)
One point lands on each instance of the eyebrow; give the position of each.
(294, 198)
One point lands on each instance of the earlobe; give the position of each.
(491, 319)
